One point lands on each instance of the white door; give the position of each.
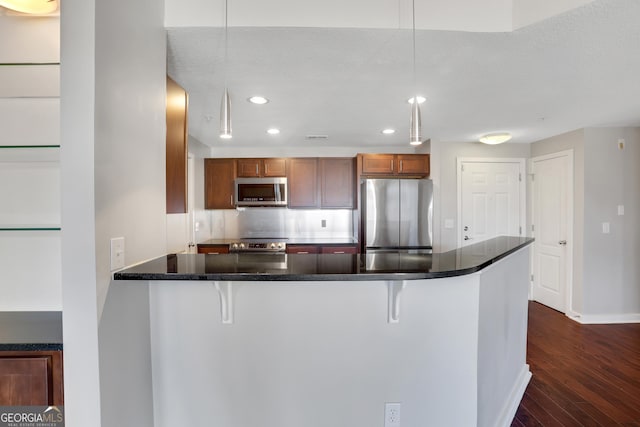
(552, 212)
(491, 201)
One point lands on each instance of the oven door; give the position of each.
(261, 191)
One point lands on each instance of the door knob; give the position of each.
(467, 238)
(562, 242)
(466, 228)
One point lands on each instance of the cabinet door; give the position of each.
(223, 249)
(275, 167)
(176, 141)
(31, 378)
(347, 249)
(337, 183)
(303, 249)
(413, 164)
(380, 164)
(303, 183)
(218, 183)
(248, 168)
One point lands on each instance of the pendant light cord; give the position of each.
(413, 15)
(226, 43)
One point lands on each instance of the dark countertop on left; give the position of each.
(326, 267)
(30, 330)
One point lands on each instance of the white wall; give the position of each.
(611, 269)
(444, 174)
(113, 184)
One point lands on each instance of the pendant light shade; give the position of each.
(415, 130)
(37, 7)
(225, 116)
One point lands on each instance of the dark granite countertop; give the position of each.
(326, 241)
(325, 267)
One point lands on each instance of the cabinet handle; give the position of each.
(338, 252)
(303, 252)
(257, 169)
(400, 166)
(231, 199)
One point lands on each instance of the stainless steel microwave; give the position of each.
(261, 191)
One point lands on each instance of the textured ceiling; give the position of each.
(578, 69)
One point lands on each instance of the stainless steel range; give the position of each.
(259, 245)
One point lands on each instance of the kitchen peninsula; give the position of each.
(331, 338)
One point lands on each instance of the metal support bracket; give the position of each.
(225, 290)
(393, 309)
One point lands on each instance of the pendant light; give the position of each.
(225, 104)
(415, 125)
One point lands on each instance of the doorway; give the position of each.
(552, 227)
(491, 198)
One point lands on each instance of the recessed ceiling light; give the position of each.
(258, 100)
(421, 99)
(273, 131)
(495, 138)
(388, 131)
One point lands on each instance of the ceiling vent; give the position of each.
(317, 137)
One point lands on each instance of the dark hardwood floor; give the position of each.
(583, 375)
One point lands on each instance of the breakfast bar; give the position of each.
(333, 338)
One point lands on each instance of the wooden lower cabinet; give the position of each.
(303, 249)
(222, 249)
(350, 249)
(320, 249)
(31, 378)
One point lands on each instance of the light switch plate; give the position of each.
(605, 228)
(620, 210)
(117, 253)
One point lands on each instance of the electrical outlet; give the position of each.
(621, 144)
(392, 415)
(323, 223)
(605, 228)
(117, 253)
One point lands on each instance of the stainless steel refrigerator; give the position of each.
(397, 214)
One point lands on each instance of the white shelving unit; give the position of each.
(30, 223)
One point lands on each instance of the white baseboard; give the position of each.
(596, 319)
(513, 401)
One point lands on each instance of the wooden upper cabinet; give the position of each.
(176, 146)
(395, 164)
(303, 183)
(383, 164)
(275, 167)
(413, 164)
(250, 168)
(219, 175)
(337, 183)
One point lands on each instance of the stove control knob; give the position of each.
(273, 246)
(241, 245)
(234, 246)
(279, 245)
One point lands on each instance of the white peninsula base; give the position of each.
(318, 354)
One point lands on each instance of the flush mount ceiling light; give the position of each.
(495, 138)
(258, 100)
(225, 104)
(273, 131)
(388, 131)
(36, 7)
(421, 99)
(415, 125)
